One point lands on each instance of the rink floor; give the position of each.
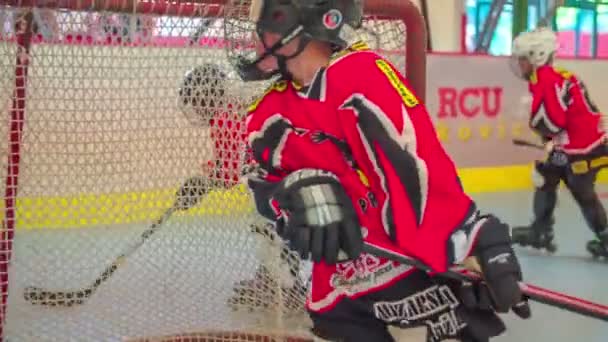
(166, 287)
(570, 270)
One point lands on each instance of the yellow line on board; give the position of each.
(494, 179)
(504, 178)
(90, 210)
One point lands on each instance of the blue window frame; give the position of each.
(582, 26)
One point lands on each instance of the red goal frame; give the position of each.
(404, 10)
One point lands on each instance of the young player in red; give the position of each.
(202, 100)
(347, 154)
(564, 115)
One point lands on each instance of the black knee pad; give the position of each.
(546, 176)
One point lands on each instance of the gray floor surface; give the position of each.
(570, 270)
(173, 283)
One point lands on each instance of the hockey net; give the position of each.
(95, 147)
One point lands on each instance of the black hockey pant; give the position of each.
(415, 301)
(579, 173)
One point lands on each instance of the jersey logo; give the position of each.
(408, 97)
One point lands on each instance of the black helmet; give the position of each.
(320, 20)
(201, 93)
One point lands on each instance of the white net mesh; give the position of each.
(104, 149)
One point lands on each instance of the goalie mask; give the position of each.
(326, 21)
(201, 93)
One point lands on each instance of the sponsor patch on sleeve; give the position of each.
(408, 97)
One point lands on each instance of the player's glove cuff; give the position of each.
(486, 241)
(499, 265)
(320, 220)
(262, 191)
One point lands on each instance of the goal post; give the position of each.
(96, 144)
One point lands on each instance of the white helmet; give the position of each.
(537, 46)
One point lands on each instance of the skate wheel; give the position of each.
(521, 243)
(595, 250)
(594, 254)
(551, 248)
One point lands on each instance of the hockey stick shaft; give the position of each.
(40, 296)
(188, 195)
(563, 301)
(521, 142)
(145, 235)
(532, 292)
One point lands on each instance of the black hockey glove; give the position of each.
(500, 269)
(262, 195)
(320, 220)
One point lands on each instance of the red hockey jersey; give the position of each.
(563, 111)
(227, 131)
(359, 120)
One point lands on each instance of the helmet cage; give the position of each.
(308, 19)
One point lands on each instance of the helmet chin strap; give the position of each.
(282, 59)
(249, 70)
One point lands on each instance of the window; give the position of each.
(477, 12)
(602, 31)
(582, 28)
(566, 27)
(581, 25)
(503, 36)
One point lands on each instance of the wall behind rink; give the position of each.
(479, 106)
(476, 104)
(105, 142)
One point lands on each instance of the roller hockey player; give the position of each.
(571, 125)
(349, 154)
(202, 100)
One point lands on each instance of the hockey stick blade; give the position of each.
(188, 195)
(526, 143)
(68, 298)
(532, 292)
(39, 296)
